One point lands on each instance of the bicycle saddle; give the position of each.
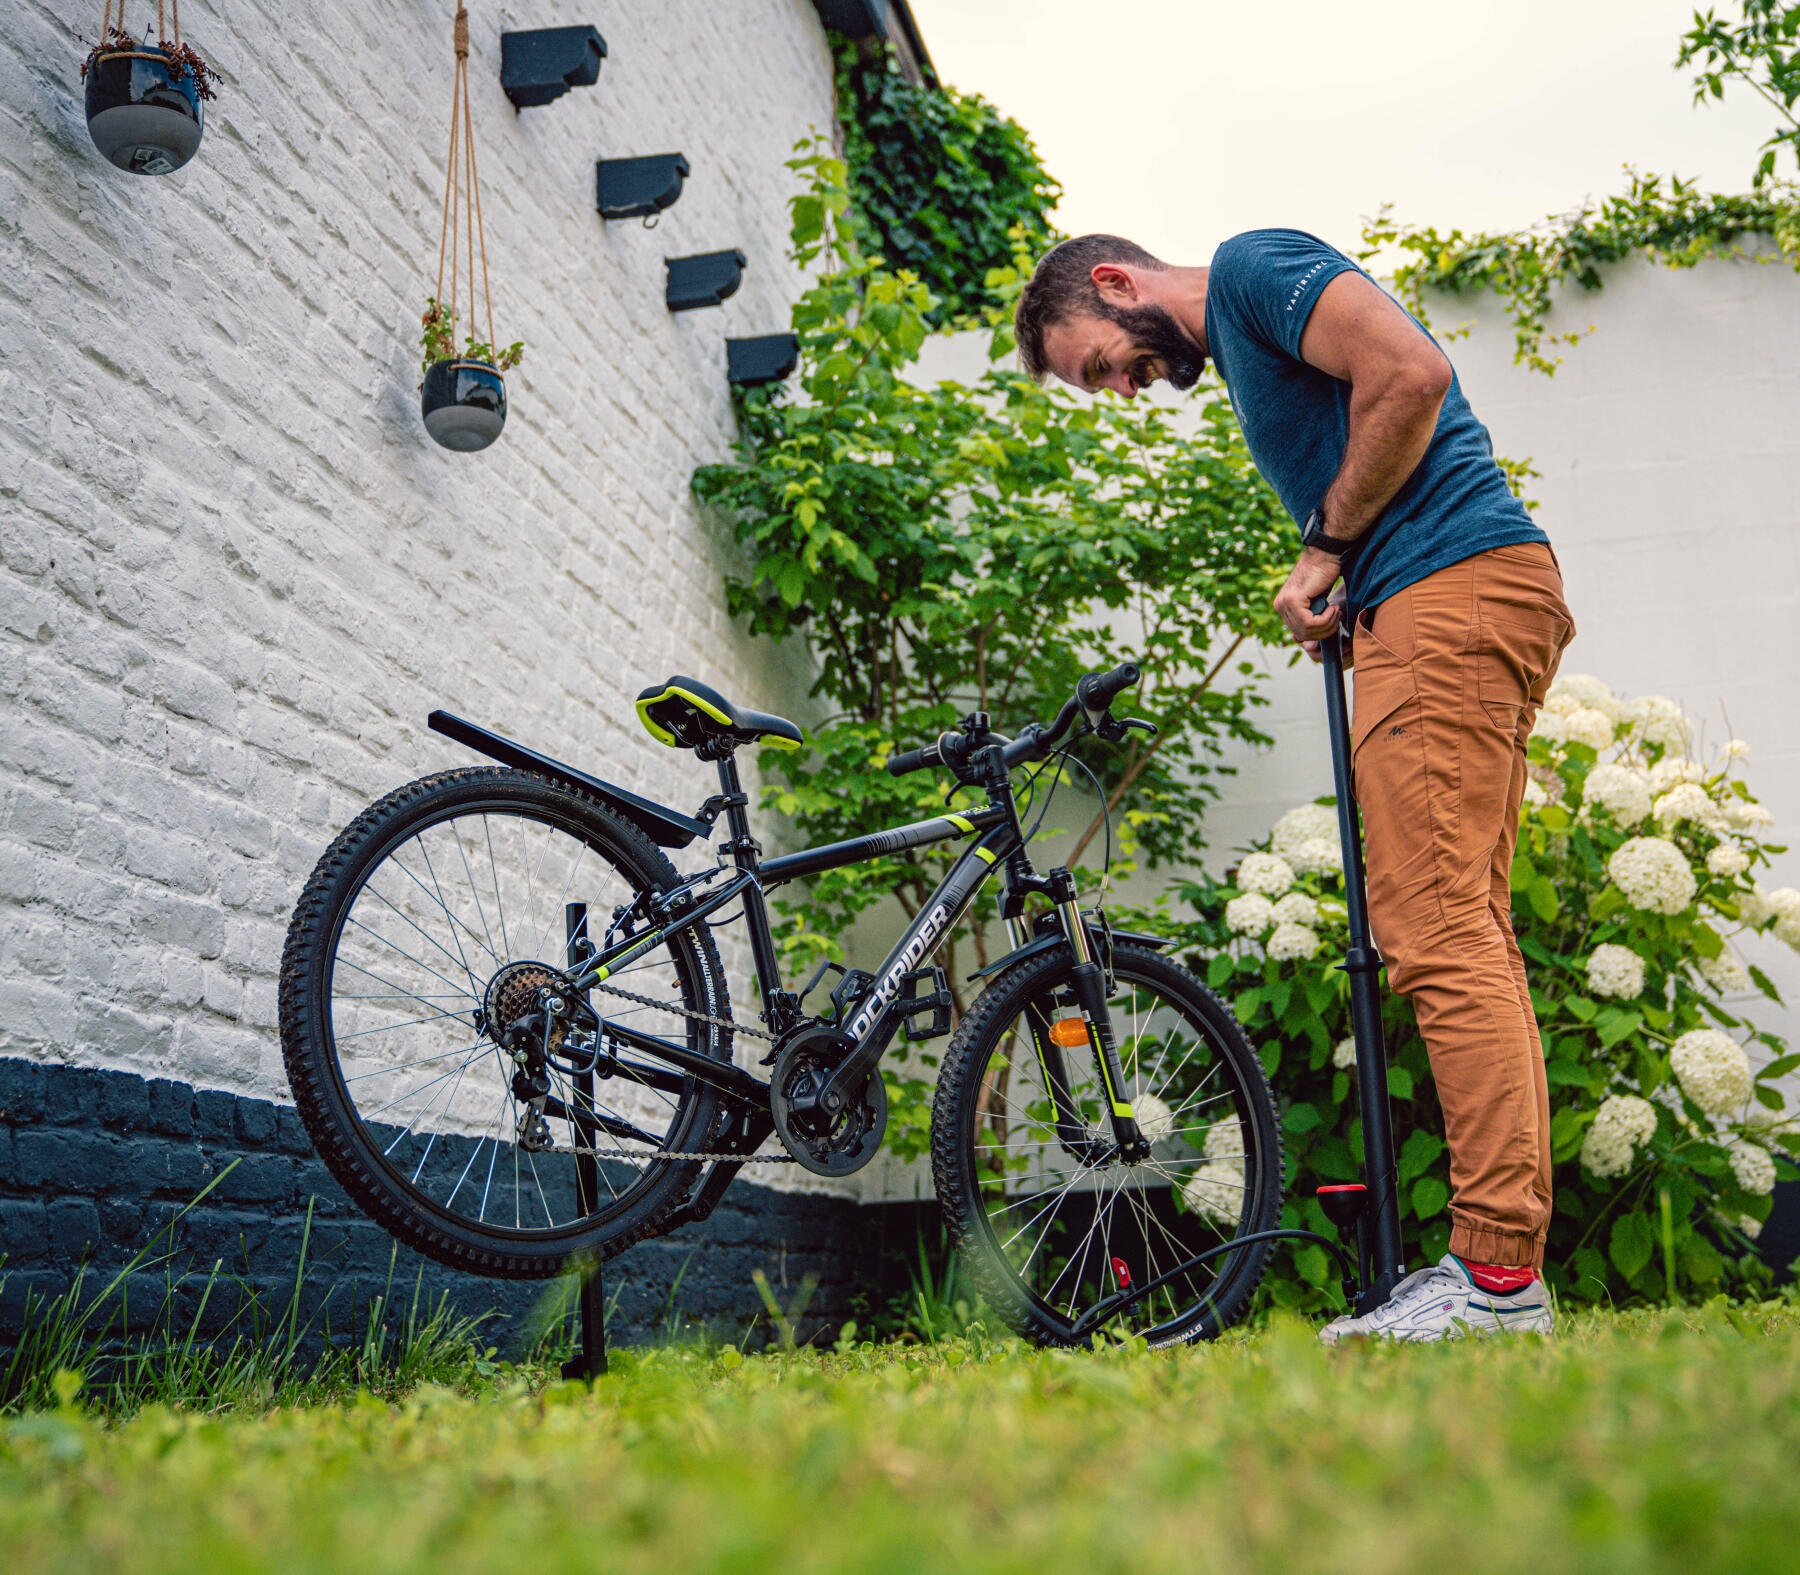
(684, 713)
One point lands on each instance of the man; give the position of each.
(1353, 414)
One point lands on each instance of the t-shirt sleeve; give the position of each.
(1270, 281)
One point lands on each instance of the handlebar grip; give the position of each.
(1320, 603)
(1097, 691)
(915, 759)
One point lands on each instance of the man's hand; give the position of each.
(1313, 575)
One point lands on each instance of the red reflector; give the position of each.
(1121, 1273)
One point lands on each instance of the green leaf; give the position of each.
(1615, 1025)
(1400, 1082)
(1302, 1119)
(1705, 940)
(1779, 1067)
(1542, 895)
(1429, 1197)
(1220, 969)
(1419, 1151)
(1580, 1006)
(1762, 982)
(1631, 1243)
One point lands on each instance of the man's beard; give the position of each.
(1156, 332)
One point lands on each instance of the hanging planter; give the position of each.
(463, 397)
(144, 100)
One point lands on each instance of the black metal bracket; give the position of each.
(540, 66)
(753, 362)
(705, 279)
(639, 188)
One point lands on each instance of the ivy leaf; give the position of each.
(1631, 1244)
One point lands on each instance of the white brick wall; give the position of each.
(234, 572)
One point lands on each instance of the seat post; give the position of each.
(737, 818)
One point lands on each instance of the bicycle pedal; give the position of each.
(913, 1003)
(849, 990)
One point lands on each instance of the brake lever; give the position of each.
(1113, 728)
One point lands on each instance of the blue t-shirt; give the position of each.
(1296, 420)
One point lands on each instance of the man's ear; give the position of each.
(1116, 284)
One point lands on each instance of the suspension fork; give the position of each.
(1088, 982)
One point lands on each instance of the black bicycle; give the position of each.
(508, 1031)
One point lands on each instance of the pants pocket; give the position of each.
(1514, 651)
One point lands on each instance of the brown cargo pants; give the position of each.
(1450, 674)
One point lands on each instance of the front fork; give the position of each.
(1088, 985)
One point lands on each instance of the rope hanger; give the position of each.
(109, 25)
(462, 198)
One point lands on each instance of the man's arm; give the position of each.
(1398, 379)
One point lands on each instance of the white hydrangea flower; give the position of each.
(1250, 914)
(1734, 749)
(1741, 814)
(1154, 1118)
(1622, 791)
(1749, 1225)
(1344, 1053)
(1560, 703)
(1266, 873)
(1332, 913)
(1621, 1125)
(1297, 908)
(1784, 903)
(1653, 874)
(1590, 727)
(1224, 1140)
(1316, 856)
(1292, 943)
(1660, 721)
(1304, 823)
(1575, 691)
(1727, 859)
(1753, 906)
(1712, 1069)
(1616, 971)
(1754, 1168)
(1535, 795)
(1215, 1191)
(1689, 801)
(1671, 771)
(1724, 973)
(1552, 728)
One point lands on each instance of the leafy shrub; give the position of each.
(1635, 870)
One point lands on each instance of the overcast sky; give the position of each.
(1180, 122)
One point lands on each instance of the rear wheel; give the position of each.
(431, 925)
(1048, 1218)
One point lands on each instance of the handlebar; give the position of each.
(1093, 697)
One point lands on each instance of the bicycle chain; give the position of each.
(664, 1153)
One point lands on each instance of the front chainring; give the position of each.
(826, 1143)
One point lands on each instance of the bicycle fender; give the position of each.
(662, 826)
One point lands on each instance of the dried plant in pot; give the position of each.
(144, 100)
(463, 396)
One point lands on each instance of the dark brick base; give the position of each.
(93, 1165)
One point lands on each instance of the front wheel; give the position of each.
(1047, 1216)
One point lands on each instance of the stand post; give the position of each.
(1378, 1233)
(590, 1360)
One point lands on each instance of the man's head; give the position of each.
(1097, 315)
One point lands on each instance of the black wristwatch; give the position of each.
(1313, 534)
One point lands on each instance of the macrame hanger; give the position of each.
(461, 231)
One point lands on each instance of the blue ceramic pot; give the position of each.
(463, 403)
(138, 117)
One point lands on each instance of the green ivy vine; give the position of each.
(940, 181)
(1672, 222)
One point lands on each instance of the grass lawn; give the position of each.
(1634, 1442)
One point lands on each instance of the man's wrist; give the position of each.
(1317, 536)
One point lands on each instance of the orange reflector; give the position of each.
(1069, 1032)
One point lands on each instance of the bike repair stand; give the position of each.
(1369, 1211)
(589, 1360)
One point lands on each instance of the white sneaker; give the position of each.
(1444, 1303)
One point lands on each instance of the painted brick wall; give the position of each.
(235, 574)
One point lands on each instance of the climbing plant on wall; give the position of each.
(939, 182)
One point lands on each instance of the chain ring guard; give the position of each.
(826, 1144)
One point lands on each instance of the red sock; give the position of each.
(1499, 1279)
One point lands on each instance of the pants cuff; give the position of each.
(1504, 1249)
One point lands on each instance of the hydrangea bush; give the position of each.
(1635, 876)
